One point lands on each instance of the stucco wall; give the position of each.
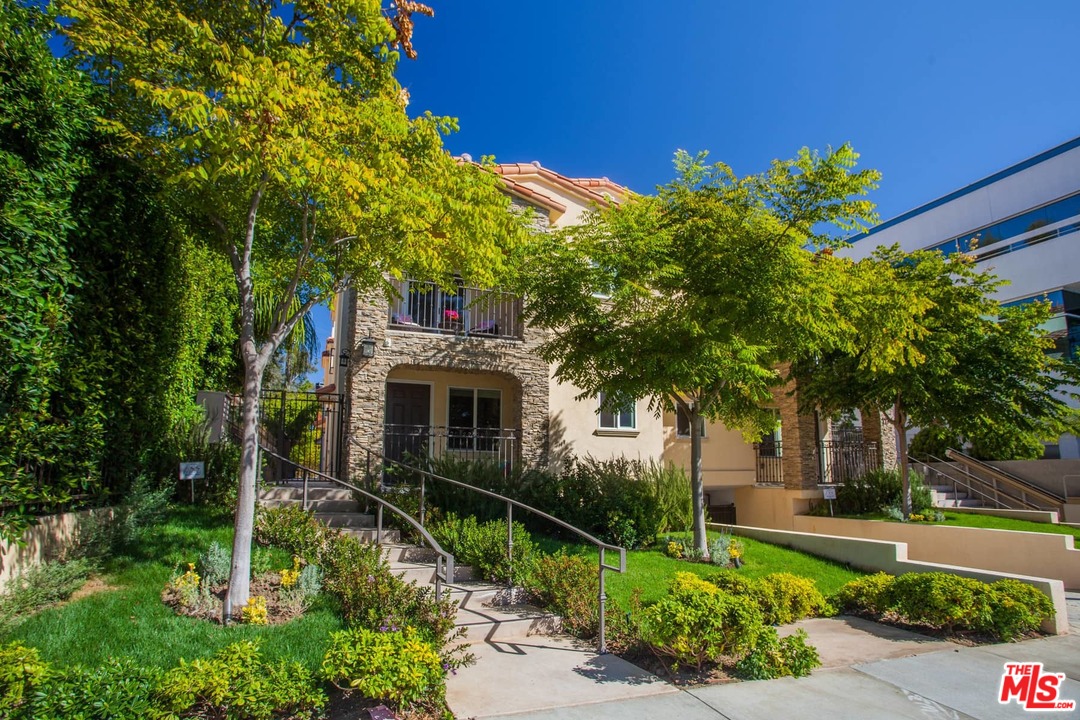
(574, 429)
(45, 540)
(726, 459)
(893, 558)
(771, 507)
(1008, 551)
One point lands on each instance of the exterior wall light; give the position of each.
(344, 357)
(367, 347)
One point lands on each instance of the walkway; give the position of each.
(915, 678)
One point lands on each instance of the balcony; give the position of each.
(769, 462)
(468, 311)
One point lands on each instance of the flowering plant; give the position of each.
(451, 315)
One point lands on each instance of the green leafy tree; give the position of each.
(282, 129)
(693, 297)
(49, 440)
(932, 348)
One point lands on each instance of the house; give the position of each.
(1023, 223)
(457, 371)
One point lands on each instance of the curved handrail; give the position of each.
(444, 563)
(511, 503)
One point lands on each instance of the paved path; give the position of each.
(919, 679)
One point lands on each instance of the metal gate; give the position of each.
(305, 427)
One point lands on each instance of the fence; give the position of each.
(498, 445)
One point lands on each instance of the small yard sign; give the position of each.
(830, 493)
(192, 470)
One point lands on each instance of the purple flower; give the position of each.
(383, 628)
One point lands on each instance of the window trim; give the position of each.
(618, 430)
(475, 398)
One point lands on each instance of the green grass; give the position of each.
(650, 569)
(991, 522)
(1001, 523)
(131, 621)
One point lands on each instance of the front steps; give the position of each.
(522, 663)
(945, 496)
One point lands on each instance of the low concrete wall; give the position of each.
(45, 540)
(892, 557)
(1039, 516)
(764, 506)
(1009, 551)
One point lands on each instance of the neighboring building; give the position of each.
(1023, 223)
(457, 372)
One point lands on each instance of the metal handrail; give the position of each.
(601, 546)
(966, 484)
(1024, 487)
(444, 561)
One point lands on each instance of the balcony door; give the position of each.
(407, 418)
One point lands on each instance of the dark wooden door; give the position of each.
(408, 412)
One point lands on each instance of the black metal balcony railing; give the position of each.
(770, 468)
(843, 461)
(476, 312)
(498, 445)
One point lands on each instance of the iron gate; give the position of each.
(305, 427)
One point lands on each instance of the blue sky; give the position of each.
(935, 95)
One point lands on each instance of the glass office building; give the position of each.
(1023, 223)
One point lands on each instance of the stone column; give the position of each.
(799, 442)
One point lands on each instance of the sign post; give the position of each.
(192, 471)
(830, 495)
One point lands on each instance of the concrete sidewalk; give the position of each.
(919, 679)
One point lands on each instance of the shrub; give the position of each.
(1015, 608)
(32, 690)
(785, 598)
(103, 531)
(40, 586)
(869, 594)
(483, 546)
(359, 577)
(215, 564)
(254, 613)
(696, 623)
(396, 666)
(881, 489)
(569, 585)
(672, 490)
(774, 657)
(733, 582)
(237, 683)
(940, 600)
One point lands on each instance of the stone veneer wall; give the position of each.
(877, 429)
(368, 316)
(799, 441)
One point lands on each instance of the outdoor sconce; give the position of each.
(367, 347)
(344, 356)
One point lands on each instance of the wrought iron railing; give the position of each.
(499, 445)
(477, 312)
(845, 460)
(769, 463)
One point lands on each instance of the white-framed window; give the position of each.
(772, 442)
(682, 424)
(625, 418)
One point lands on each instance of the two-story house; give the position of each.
(457, 371)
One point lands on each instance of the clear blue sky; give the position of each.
(935, 95)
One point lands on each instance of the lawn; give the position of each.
(650, 569)
(1001, 523)
(130, 620)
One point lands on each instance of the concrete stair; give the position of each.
(945, 496)
(523, 663)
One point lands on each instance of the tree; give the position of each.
(694, 296)
(933, 349)
(282, 129)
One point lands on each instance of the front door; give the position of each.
(408, 412)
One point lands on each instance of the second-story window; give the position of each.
(625, 418)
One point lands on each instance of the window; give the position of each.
(682, 424)
(474, 418)
(624, 418)
(771, 443)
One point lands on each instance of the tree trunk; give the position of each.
(240, 575)
(697, 426)
(899, 420)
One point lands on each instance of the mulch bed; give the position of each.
(209, 607)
